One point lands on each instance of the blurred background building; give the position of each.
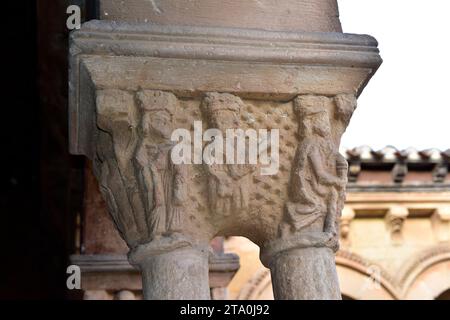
(395, 230)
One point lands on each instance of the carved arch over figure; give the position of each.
(427, 276)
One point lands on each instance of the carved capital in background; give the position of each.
(395, 219)
(348, 214)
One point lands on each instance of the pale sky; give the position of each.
(407, 102)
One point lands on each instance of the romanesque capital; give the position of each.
(197, 132)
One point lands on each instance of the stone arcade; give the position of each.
(132, 83)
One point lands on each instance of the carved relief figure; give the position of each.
(317, 178)
(116, 142)
(228, 184)
(144, 190)
(163, 183)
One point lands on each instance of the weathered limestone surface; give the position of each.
(299, 267)
(132, 84)
(180, 274)
(287, 15)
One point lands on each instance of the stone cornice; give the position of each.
(358, 188)
(414, 197)
(127, 39)
(119, 263)
(113, 272)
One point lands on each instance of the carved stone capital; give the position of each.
(133, 85)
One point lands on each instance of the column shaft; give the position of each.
(305, 274)
(176, 275)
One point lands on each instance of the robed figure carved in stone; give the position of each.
(164, 183)
(117, 138)
(228, 184)
(317, 180)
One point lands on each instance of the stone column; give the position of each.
(151, 67)
(173, 273)
(305, 274)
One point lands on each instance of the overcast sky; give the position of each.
(407, 102)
